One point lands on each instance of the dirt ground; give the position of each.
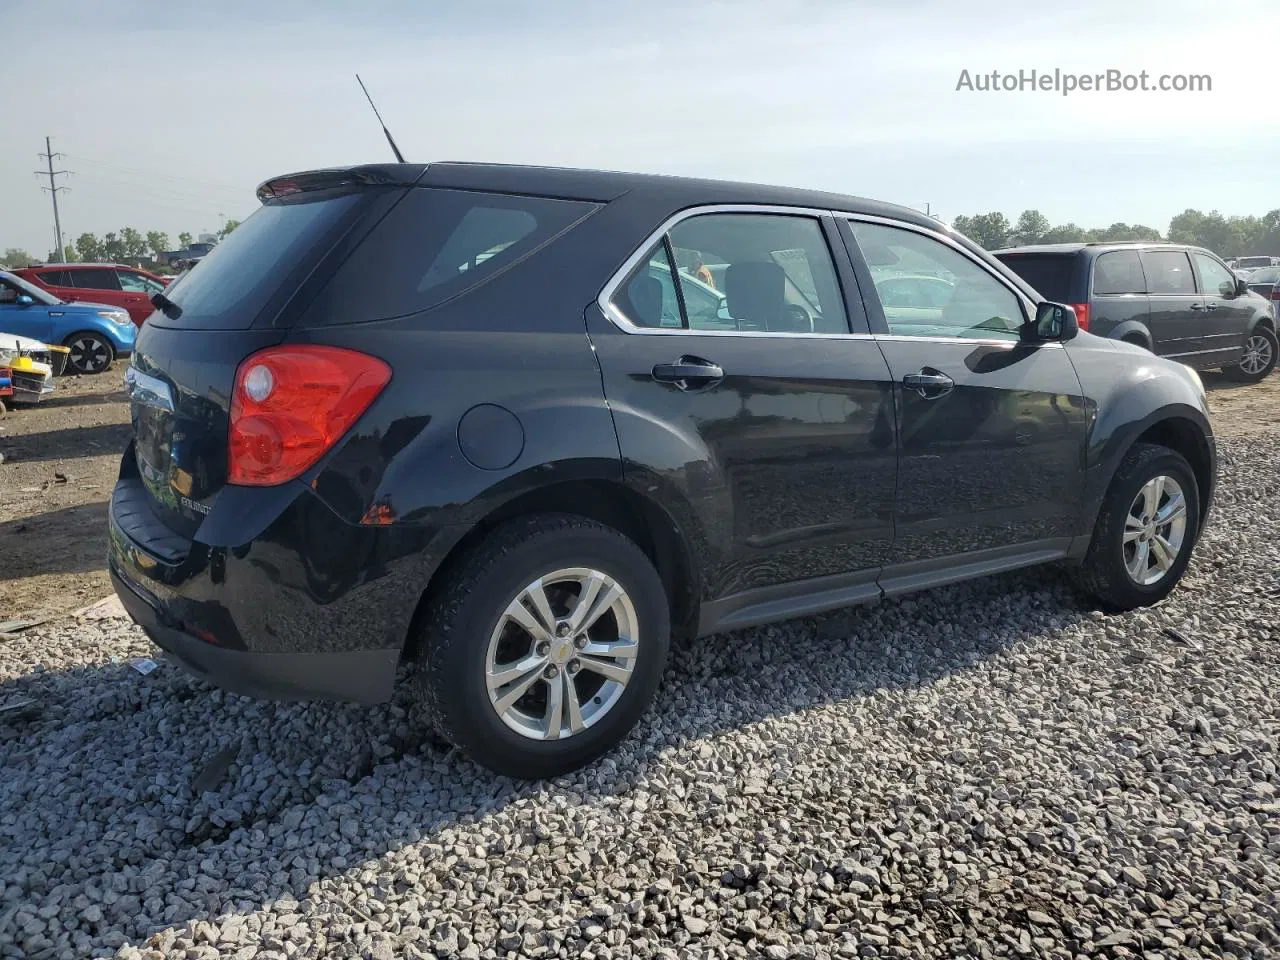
(61, 459)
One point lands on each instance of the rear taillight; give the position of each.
(291, 404)
(1275, 291)
(1082, 315)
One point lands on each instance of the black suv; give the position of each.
(519, 426)
(1179, 302)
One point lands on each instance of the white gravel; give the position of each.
(984, 770)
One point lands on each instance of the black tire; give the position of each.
(90, 352)
(450, 683)
(1137, 342)
(1269, 347)
(1103, 574)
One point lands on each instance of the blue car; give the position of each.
(95, 332)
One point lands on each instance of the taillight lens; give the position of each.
(291, 404)
(1275, 291)
(1082, 315)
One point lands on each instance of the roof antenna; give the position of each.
(394, 148)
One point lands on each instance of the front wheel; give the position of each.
(545, 647)
(90, 352)
(1145, 531)
(1258, 359)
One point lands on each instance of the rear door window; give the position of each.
(96, 278)
(1049, 274)
(437, 244)
(55, 278)
(1168, 273)
(1119, 272)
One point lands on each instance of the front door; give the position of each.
(743, 401)
(1226, 315)
(991, 431)
(23, 319)
(1175, 307)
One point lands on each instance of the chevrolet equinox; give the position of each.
(517, 427)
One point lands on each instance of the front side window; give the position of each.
(1215, 279)
(96, 279)
(137, 283)
(963, 299)
(1118, 273)
(739, 272)
(1168, 273)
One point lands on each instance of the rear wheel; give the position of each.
(90, 352)
(1145, 531)
(545, 647)
(1258, 359)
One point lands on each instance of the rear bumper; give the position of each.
(361, 676)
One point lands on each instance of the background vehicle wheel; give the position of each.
(90, 352)
(1145, 531)
(545, 646)
(1258, 359)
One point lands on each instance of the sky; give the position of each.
(170, 114)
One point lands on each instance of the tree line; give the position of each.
(1226, 236)
(112, 247)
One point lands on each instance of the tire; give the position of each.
(90, 352)
(1258, 359)
(1105, 572)
(1137, 342)
(469, 636)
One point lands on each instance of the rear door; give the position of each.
(1226, 316)
(991, 430)
(748, 393)
(98, 285)
(1176, 307)
(135, 293)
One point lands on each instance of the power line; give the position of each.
(53, 188)
(154, 175)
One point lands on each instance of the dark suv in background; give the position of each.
(1179, 302)
(520, 425)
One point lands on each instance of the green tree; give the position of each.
(157, 242)
(133, 244)
(89, 247)
(988, 230)
(227, 228)
(112, 247)
(184, 240)
(1031, 227)
(1064, 233)
(69, 254)
(16, 257)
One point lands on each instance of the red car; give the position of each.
(109, 283)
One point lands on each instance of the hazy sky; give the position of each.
(170, 113)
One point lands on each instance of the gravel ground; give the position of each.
(982, 770)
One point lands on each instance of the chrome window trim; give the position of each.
(1028, 307)
(620, 320)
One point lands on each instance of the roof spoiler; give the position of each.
(367, 175)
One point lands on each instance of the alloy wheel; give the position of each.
(1257, 355)
(562, 653)
(89, 354)
(1154, 530)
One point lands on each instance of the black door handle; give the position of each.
(1197, 306)
(1211, 306)
(929, 383)
(688, 373)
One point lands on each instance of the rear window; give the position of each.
(436, 244)
(1050, 274)
(1248, 263)
(230, 286)
(1269, 275)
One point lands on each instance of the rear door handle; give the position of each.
(689, 373)
(929, 383)
(1211, 306)
(1197, 306)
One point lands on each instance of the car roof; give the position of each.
(79, 265)
(602, 186)
(1099, 246)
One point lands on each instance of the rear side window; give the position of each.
(436, 244)
(1168, 272)
(1119, 272)
(94, 278)
(1049, 274)
(55, 278)
(229, 287)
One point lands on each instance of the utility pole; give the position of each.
(53, 190)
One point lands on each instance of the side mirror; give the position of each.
(1054, 322)
(1242, 286)
(24, 300)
